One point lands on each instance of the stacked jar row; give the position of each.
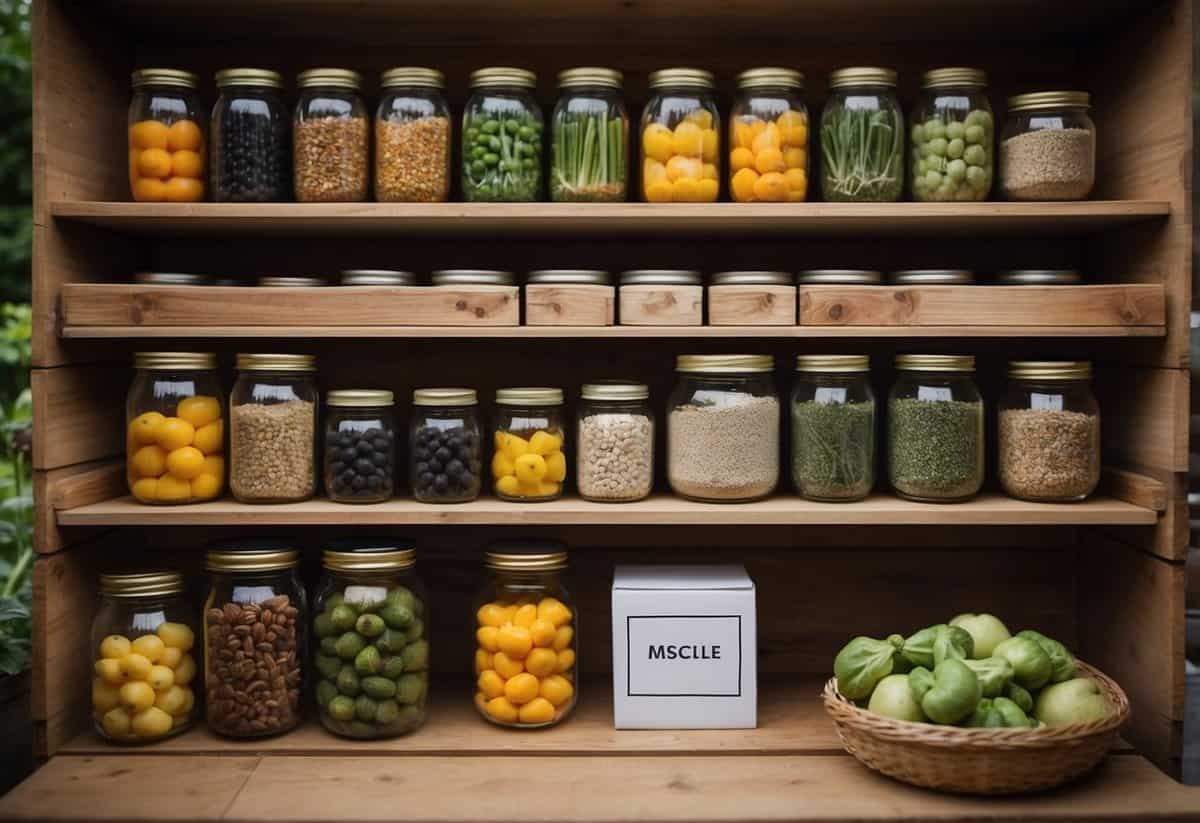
(322, 152)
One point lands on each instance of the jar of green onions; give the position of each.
(862, 137)
(589, 160)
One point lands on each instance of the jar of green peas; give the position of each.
(953, 137)
(502, 138)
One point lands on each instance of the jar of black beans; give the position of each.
(445, 445)
(360, 446)
(251, 138)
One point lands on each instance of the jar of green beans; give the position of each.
(953, 137)
(862, 138)
(502, 138)
(833, 427)
(589, 150)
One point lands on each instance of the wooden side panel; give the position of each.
(66, 488)
(78, 414)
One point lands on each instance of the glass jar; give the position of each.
(526, 637)
(681, 141)
(589, 149)
(1049, 438)
(472, 277)
(768, 138)
(412, 137)
(446, 446)
(172, 278)
(273, 428)
(377, 277)
(332, 137)
(1048, 147)
(723, 428)
(502, 138)
(833, 427)
(255, 639)
(251, 138)
(952, 150)
(1039, 277)
(530, 463)
(839, 277)
(372, 659)
(933, 277)
(862, 138)
(142, 638)
(935, 429)
(615, 439)
(175, 428)
(166, 137)
(290, 282)
(360, 445)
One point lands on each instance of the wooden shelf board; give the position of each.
(612, 218)
(986, 510)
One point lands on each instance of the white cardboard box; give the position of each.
(684, 643)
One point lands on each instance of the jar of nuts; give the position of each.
(360, 445)
(529, 463)
(615, 460)
(255, 630)
(372, 662)
(332, 137)
(412, 137)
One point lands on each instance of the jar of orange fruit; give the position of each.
(166, 140)
(768, 138)
(175, 419)
(681, 141)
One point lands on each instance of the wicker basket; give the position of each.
(978, 761)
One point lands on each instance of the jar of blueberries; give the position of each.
(251, 138)
(445, 445)
(360, 446)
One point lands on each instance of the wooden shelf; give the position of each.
(665, 510)
(306, 219)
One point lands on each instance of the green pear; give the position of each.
(986, 630)
(1078, 700)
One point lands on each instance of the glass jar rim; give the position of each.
(174, 360)
(229, 557)
(683, 78)
(616, 390)
(661, 277)
(1039, 277)
(329, 79)
(770, 77)
(1042, 100)
(156, 583)
(445, 397)
(415, 76)
(936, 362)
(477, 277)
(585, 277)
(724, 363)
(290, 281)
(845, 277)
(175, 78)
(369, 558)
(862, 76)
(377, 277)
(933, 277)
(751, 278)
(277, 362)
(171, 278)
(360, 398)
(502, 76)
(954, 76)
(831, 363)
(590, 76)
(1050, 369)
(248, 77)
(529, 396)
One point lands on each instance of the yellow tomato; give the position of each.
(795, 136)
(491, 684)
(796, 180)
(185, 134)
(144, 428)
(115, 646)
(186, 163)
(515, 641)
(210, 439)
(207, 486)
(185, 463)
(149, 646)
(110, 671)
(742, 135)
(742, 185)
(148, 134)
(530, 469)
(566, 661)
(160, 678)
(708, 171)
(185, 671)
(515, 446)
(199, 410)
(545, 443)
(701, 117)
(741, 158)
(151, 722)
(557, 689)
(505, 666)
(105, 696)
(686, 190)
(795, 158)
(172, 700)
(509, 486)
(485, 636)
(490, 614)
(149, 190)
(653, 171)
(522, 688)
(171, 489)
(184, 190)
(680, 167)
(708, 190)
(541, 662)
(542, 632)
(658, 142)
(554, 610)
(769, 160)
(501, 709)
(170, 657)
(116, 723)
(174, 433)
(154, 163)
(790, 119)
(769, 138)
(556, 467)
(538, 710)
(145, 490)
(483, 660)
(709, 145)
(771, 188)
(149, 461)
(688, 139)
(525, 616)
(137, 695)
(134, 666)
(563, 637)
(660, 192)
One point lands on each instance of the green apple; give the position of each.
(985, 629)
(894, 698)
(1078, 700)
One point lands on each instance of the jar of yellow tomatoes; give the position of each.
(768, 138)
(175, 419)
(526, 636)
(680, 138)
(529, 464)
(166, 139)
(142, 638)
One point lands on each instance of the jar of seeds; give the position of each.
(1049, 440)
(616, 442)
(273, 428)
(1048, 147)
(412, 137)
(935, 429)
(332, 137)
(833, 427)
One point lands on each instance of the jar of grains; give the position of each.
(1048, 147)
(935, 428)
(167, 150)
(360, 445)
(255, 638)
(251, 138)
(332, 137)
(446, 445)
(1049, 440)
(615, 461)
(412, 137)
(952, 151)
(723, 427)
(681, 138)
(502, 138)
(372, 661)
(768, 137)
(833, 427)
(273, 428)
(529, 463)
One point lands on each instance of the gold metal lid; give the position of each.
(165, 77)
(416, 76)
(329, 79)
(171, 278)
(1039, 277)
(751, 278)
(172, 360)
(833, 362)
(529, 396)
(1041, 100)
(615, 391)
(377, 277)
(770, 77)
(156, 583)
(495, 76)
(862, 76)
(284, 282)
(954, 76)
(1050, 369)
(935, 362)
(681, 78)
(249, 77)
(359, 398)
(370, 559)
(476, 277)
(661, 277)
(445, 397)
(276, 362)
(590, 76)
(933, 277)
(839, 277)
(582, 277)
(251, 558)
(525, 556)
(724, 363)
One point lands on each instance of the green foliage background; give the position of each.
(16, 160)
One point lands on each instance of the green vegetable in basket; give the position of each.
(922, 648)
(1020, 696)
(952, 643)
(954, 694)
(1079, 700)
(918, 648)
(893, 697)
(1032, 667)
(1014, 717)
(985, 716)
(1060, 658)
(863, 662)
(986, 630)
(994, 673)
(920, 680)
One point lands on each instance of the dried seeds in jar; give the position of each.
(273, 415)
(616, 442)
(332, 138)
(412, 137)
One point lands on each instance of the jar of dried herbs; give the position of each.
(1049, 441)
(935, 428)
(833, 427)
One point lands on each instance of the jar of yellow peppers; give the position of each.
(681, 138)
(528, 464)
(768, 138)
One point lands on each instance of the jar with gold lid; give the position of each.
(445, 445)
(1048, 147)
(833, 427)
(952, 150)
(167, 145)
(273, 428)
(529, 463)
(502, 141)
(332, 137)
(768, 137)
(412, 137)
(589, 157)
(681, 138)
(862, 137)
(251, 138)
(360, 445)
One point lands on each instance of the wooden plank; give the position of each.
(1134, 488)
(1134, 305)
(570, 305)
(78, 414)
(747, 305)
(1145, 416)
(70, 487)
(653, 305)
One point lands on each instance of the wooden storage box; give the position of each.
(661, 297)
(570, 297)
(750, 298)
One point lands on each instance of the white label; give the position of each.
(828, 396)
(1049, 402)
(934, 394)
(684, 655)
